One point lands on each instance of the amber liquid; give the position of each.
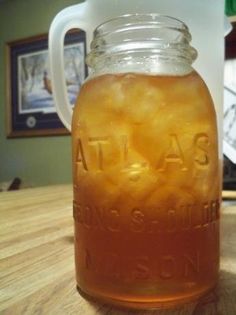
(146, 189)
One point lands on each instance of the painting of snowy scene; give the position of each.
(229, 144)
(34, 82)
(30, 106)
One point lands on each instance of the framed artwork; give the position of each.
(229, 124)
(30, 106)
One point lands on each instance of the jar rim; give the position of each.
(156, 19)
(142, 39)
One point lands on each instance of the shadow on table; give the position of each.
(220, 301)
(69, 239)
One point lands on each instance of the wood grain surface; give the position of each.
(37, 263)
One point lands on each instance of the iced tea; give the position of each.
(146, 189)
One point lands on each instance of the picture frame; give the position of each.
(30, 106)
(229, 111)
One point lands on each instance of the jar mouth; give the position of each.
(137, 36)
(147, 20)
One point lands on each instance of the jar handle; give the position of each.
(72, 17)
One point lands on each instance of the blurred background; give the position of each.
(37, 161)
(46, 160)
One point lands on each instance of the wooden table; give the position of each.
(37, 265)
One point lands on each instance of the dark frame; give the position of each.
(23, 121)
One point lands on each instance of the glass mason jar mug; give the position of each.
(145, 168)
